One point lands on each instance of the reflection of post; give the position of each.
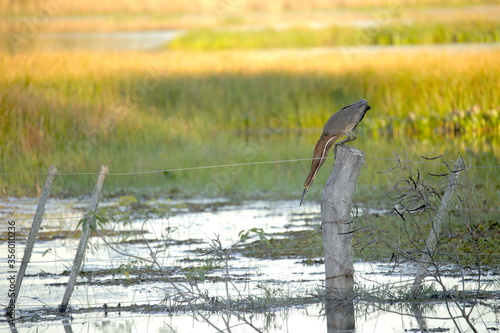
(67, 325)
(336, 223)
(419, 316)
(340, 317)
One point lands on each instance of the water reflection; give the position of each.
(340, 317)
(370, 318)
(419, 316)
(67, 325)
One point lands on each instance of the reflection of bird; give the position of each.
(343, 122)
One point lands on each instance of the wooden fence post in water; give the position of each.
(86, 227)
(337, 235)
(37, 221)
(427, 256)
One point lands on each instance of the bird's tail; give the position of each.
(306, 188)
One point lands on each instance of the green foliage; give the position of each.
(126, 268)
(127, 201)
(96, 221)
(199, 273)
(244, 235)
(389, 292)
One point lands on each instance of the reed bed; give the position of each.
(153, 111)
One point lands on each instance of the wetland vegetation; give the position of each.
(171, 110)
(239, 121)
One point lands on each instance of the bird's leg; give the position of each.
(350, 137)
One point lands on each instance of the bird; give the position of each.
(342, 123)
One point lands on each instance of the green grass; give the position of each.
(456, 31)
(138, 112)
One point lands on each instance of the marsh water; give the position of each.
(145, 300)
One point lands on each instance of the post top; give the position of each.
(350, 150)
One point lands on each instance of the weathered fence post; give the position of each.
(37, 221)
(337, 235)
(86, 227)
(430, 246)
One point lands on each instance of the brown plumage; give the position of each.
(342, 123)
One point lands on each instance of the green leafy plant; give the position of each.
(244, 235)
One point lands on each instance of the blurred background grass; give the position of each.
(459, 31)
(174, 107)
(206, 6)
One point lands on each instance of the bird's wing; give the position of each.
(348, 115)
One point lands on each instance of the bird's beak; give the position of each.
(306, 188)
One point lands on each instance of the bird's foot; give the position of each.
(341, 143)
(350, 137)
(336, 145)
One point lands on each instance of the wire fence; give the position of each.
(231, 165)
(56, 249)
(286, 206)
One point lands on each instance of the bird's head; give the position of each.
(306, 188)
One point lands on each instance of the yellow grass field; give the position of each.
(157, 110)
(207, 6)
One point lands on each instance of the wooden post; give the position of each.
(337, 235)
(430, 246)
(86, 227)
(37, 221)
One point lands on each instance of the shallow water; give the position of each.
(103, 40)
(281, 277)
(295, 320)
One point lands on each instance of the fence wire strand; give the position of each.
(130, 173)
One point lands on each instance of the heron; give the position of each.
(342, 123)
